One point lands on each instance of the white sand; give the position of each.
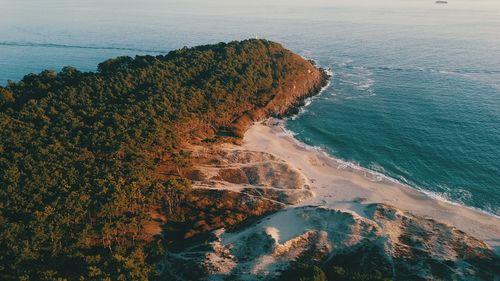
(340, 187)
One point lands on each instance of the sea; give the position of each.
(415, 93)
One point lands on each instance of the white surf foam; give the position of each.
(375, 175)
(309, 100)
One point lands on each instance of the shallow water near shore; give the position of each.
(415, 93)
(341, 185)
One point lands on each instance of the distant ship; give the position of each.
(441, 2)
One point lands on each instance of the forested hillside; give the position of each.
(78, 151)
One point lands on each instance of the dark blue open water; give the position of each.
(416, 87)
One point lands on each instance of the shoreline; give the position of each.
(380, 177)
(338, 184)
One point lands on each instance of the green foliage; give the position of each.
(310, 272)
(78, 153)
(364, 263)
(341, 274)
(302, 272)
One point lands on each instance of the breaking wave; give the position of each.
(377, 173)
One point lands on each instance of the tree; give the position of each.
(302, 272)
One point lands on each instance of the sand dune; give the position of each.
(230, 167)
(333, 215)
(341, 187)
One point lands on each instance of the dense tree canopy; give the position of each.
(78, 151)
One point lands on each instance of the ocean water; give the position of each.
(415, 93)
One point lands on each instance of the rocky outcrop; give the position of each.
(294, 88)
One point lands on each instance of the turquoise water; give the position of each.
(416, 87)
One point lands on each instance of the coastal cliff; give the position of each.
(146, 170)
(94, 164)
(298, 80)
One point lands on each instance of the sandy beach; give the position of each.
(339, 186)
